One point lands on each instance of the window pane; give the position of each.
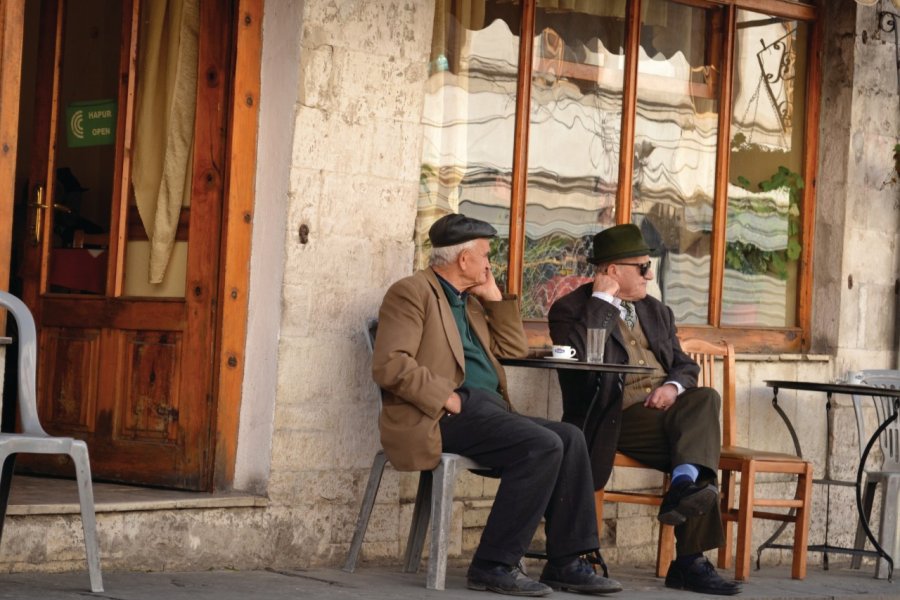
(676, 132)
(765, 187)
(573, 150)
(469, 121)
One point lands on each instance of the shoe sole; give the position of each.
(714, 592)
(579, 589)
(483, 587)
(693, 506)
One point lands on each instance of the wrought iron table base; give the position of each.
(826, 548)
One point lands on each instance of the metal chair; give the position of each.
(889, 472)
(433, 497)
(34, 440)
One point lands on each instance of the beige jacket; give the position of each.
(419, 361)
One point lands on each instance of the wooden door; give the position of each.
(124, 364)
(11, 28)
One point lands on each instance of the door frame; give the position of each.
(237, 230)
(230, 330)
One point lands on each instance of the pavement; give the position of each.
(388, 582)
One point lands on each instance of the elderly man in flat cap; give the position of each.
(662, 419)
(440, 332)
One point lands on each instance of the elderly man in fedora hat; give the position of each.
(439, 333)
(661, 419)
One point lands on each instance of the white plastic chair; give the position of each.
(34, 440)
(433, 497)
(889, 472)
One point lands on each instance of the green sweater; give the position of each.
(480, 372)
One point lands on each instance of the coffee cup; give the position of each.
(563, 352)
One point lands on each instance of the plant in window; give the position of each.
(747, 257)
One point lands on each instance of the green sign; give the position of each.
(91, 123)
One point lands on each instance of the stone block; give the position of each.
(317, 85)
(634, 532)
(302, 450)
(528, 390)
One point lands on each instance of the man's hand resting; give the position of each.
(662, 398)
(453, 404)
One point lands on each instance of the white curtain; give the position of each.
(164, 122)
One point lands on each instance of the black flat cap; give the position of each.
(454, 229)
(620, 241)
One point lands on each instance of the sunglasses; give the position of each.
(642, 267)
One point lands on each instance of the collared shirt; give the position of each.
(480, 372)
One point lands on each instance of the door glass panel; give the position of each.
(573, 150)
(85, 147)
(676, 132)
(159, 189)
(765, 189)
(469, 121)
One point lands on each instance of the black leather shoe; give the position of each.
(687, 500)
(700, 576)
(505, 580)
(578, 576)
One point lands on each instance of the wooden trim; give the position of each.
(235, 250)
(723, 159)
(629, 111)
(118, 222)
(520, 152)
(789, 10)
(12, 25)
(808, 210)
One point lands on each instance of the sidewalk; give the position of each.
(389, 583)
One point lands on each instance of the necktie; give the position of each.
(629, 317)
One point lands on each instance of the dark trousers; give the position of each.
(688, 432)
(544, 470)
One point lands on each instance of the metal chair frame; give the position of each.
(434, 496)
(888, 474)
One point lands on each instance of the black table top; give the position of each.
(832, 388)
(573, 365)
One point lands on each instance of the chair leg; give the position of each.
(801, 523)
(726, 555)
(79, 454)
(860, 541)
(415, 542)
(365, 511)
(665, 549)
(745, 522)
(9, 464)
(887, 537)
(441, 508)
(599, 495)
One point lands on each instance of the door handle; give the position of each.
(39, 204)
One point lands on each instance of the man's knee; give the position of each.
(572, 437)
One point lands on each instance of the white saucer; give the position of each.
(554, 358)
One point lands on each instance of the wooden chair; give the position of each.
(665, 547)
(733, 460)
(749, 462)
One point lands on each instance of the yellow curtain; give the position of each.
(164, 122)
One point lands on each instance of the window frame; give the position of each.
(745, 339)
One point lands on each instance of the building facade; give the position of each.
(374, 118)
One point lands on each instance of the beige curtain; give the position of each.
(164, 122)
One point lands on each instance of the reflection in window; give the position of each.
(762, 247)
(573, 149)
(469, 120)
(676, 132)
